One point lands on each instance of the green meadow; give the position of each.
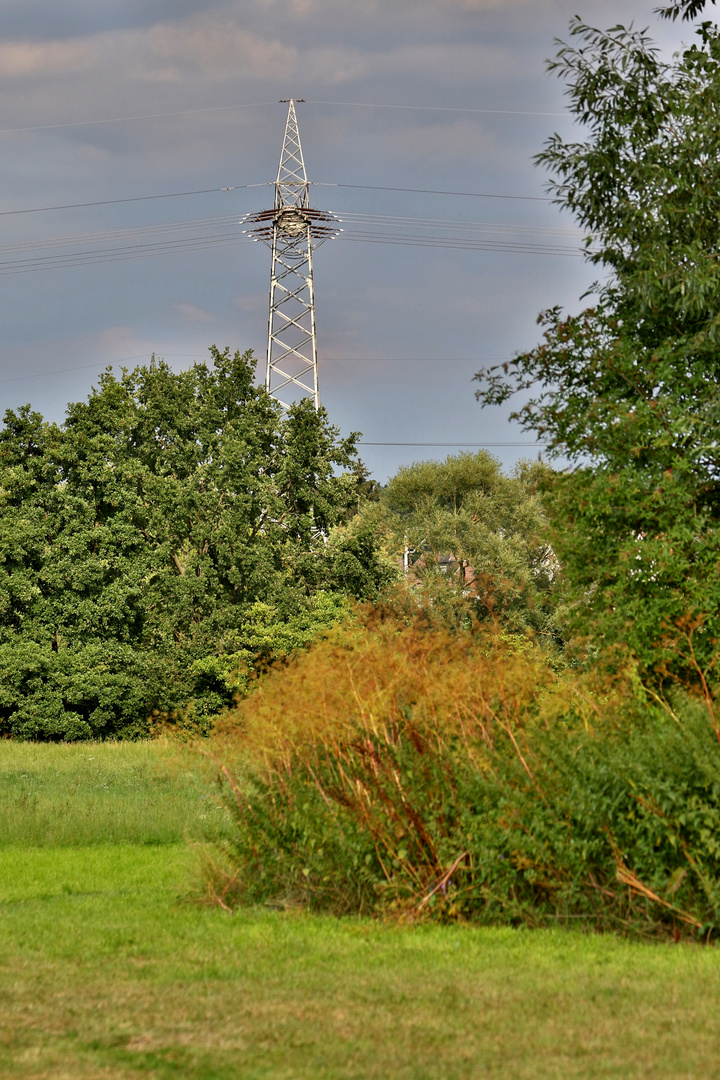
(111, 968)
(62, 795)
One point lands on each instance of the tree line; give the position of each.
(175, 527)
(178, 531)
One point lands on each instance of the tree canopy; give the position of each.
(474, 537)
(174, 527)
(688, 9)
(629, 390)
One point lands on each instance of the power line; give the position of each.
(120, 234)
(388, 229)
(439, 108)
(461, 245)
(103, 364)
(203, 239)
(134, 198)
(380, 221)
(246, 187)
(326, 359)
(457, 224)
(65, 371)
(13, 267)
(434, 191)
(135, 251)
(125, 119)
(264, 104)
(179, 244)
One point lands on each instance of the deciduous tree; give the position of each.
(151, 544)
(474, 538)
(629, 390)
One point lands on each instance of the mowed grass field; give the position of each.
(109, 969)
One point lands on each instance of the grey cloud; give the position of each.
(81, 60)
(193, 313)
(228, 52)
(45, 59)
(223, 51)
(38, 20)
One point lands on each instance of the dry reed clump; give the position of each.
(369, 681)
(396, 768)
(357, 763)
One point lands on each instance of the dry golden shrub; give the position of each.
(368, 679)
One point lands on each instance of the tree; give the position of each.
(474, 538)
(150, 544)
(687, 8)
(629, 390)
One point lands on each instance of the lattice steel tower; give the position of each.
(292, 230)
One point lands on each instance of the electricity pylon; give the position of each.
(292, 229)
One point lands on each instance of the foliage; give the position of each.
(629, 390)
(474, 539)
(618, 824)
(687, 8)
(389, 770)
(323, 814)
(266, 636)
(138, 539)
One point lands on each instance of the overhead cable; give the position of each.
(121, 234)
(125, 119)
(102, 364)
(171, 237)
(264, 104)
(466, 229)
(184, 244)
(266, 183)
(458, 244)
(439, 108)
(395, 220)
(65, 371)
(326, 359)
(134, 198)
(133, 251)
(434, 191)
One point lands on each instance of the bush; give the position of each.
(618, 824)
(394, 770)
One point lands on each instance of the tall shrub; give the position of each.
(396, 769)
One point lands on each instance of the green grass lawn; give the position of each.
(104, 793)
(108, 970)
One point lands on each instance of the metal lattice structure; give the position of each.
(292, 229)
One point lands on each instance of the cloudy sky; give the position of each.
(140, 100)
